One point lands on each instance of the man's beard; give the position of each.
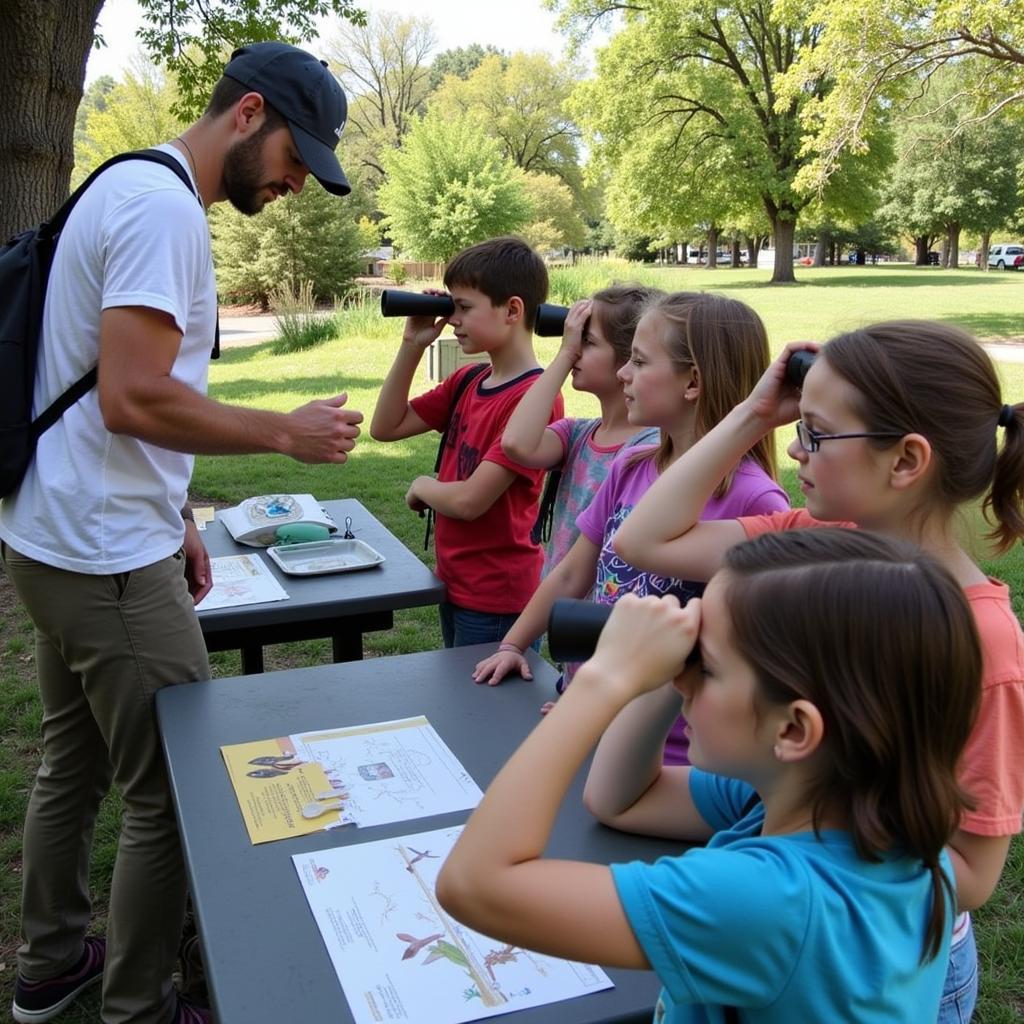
(244, 185)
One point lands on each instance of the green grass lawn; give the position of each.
(823, 302)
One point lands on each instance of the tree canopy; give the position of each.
(384, 66)
(880, 55)
(520, 101)
(688, 86)
(449, 185)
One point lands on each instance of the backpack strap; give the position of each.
(540, 533)
(460, 389)
(51, 228)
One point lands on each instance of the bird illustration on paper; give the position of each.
(415, 945)
(420, 854)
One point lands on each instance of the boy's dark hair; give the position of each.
(880, 638)
(501, 268)
(227, 92)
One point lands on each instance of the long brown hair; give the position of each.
(618, 309)
(880, 638)
(916, 376)
(725, 341)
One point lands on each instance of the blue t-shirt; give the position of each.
(785, 928)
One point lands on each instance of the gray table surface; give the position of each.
(330, 605)
(265, 960)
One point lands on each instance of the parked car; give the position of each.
(1007, 256)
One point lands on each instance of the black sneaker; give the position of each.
(39, 1001)
(189, 1013)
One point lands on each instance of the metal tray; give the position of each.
(323, 556)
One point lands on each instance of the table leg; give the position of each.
(347, 646)
(252, 659)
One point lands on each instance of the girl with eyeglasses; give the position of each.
(830, 897)
(693, 356)
(898, 431)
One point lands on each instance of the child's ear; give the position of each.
(692, 392)
(911, 460)
(515, 309)
(799, 732)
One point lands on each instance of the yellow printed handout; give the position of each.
(278, 792)
(374, 773)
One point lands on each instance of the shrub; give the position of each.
(298, 323)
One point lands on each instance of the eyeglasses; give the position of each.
(810, 440)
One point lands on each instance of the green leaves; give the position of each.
(448, 186)
(194, 38)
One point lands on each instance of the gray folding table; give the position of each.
(342, 606)
(264, 957)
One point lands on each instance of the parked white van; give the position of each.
(1007, 256)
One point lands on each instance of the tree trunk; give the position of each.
(684, 253)
(44, 46)
(753, 248)
(735, 251)
(823, 245)
(986, 239)
(953, 243)
(712, 262)
(785, 232)
(921, 250)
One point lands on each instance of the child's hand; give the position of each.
(415, 503)
(645, 642)
(572, 334)
(493, 669)
(422, 331)
(774, 399)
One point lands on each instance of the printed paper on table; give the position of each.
(400, 957)
(240, 580)
(381, 773)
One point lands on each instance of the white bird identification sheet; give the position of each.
(400, 957)
(390, 771)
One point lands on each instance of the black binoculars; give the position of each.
(798, 365)
(574, 627)
(549, 324)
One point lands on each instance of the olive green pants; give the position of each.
(104, 646)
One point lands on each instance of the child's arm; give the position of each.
(628, 787)
(465, 499)
(664, 533)
(527, 438)
(393, 417)
(977, 863)
(573, 576)
(495, 879)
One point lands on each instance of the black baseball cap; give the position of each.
(301, 89)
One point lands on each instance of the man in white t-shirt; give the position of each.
(98, 539)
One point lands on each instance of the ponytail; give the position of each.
(1005, 501)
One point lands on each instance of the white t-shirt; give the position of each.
(92, 501)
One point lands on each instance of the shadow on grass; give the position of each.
(921, 277)
(846, 277)
(238, 354)
(987, 324)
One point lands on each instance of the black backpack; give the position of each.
(25, 263)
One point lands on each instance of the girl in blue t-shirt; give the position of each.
(596, 343)
(838, 682)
